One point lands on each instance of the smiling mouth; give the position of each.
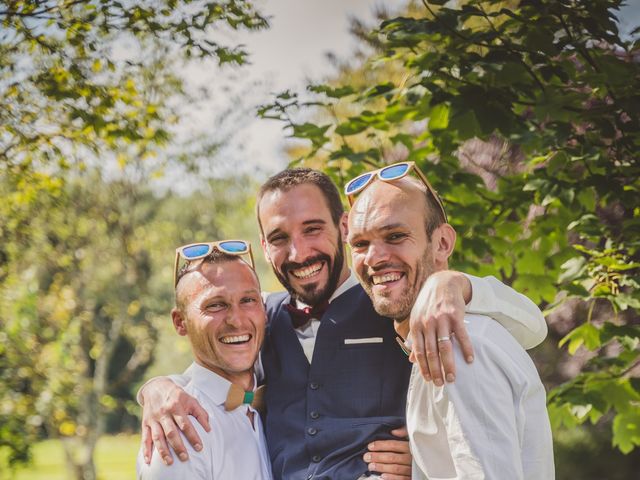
(235, 339)
(307, 272)
(386, 278)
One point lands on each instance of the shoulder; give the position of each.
(197, 467)
(497, 356)
(274, 300)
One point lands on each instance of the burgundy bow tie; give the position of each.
(302, 316)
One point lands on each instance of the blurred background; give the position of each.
(130, 128)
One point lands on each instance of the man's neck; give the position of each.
(402, 327)
(242, 379)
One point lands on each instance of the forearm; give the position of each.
(514, 311)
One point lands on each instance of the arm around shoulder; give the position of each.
(513, 310)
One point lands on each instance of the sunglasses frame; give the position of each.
(376, 174)
(212, 246)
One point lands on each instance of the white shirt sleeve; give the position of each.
(514, 311)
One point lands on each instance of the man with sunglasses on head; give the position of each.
(492, 422)
(219, 308)
(337, 378)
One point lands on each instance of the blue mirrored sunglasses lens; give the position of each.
(234, 247)
(195, 251)
(394, 171)
(357, 183)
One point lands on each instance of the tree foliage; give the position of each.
(87, 96)
(525, 117)
(86, 81)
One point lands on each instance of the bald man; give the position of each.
(492, 422)
(219, 308)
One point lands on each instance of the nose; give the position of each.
(376, 254)
(235, 315)
(298, 249)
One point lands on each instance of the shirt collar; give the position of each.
(211, 384)
(350, 282)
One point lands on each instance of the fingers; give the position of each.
(433, 358)
(172, 433)
(201, 415)
(147, 444)
(463, 340)
(395, 446)
(400, 433)
(419, 334)
(390, 465)
(444, 342)
(391, 458)
(160, 442)
(187, 428)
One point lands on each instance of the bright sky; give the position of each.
(284, 57)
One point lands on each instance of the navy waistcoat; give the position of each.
(320, 417)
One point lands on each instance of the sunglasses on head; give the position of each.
(388, 174)
(196, 251)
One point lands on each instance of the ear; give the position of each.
(443, 241)
(179, 322)
(344, 226)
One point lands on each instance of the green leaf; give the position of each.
(439, 117)
(586, 334)
(626, 430)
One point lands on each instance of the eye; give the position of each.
(277, 239)
(249, 300)
(313, 229)
(216, 306)
(396, 237)
(359, 245)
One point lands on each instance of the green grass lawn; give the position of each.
(115, 460)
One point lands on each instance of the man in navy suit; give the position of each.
(336, 379)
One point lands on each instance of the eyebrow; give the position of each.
(313, 221)
(385, 228)
(392, 226)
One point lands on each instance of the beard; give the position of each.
(398, 308)
(314, 294)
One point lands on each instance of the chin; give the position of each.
(394, 309)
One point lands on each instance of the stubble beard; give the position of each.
(399, 309)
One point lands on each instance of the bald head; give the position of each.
(199, 274)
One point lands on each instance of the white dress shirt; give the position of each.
(234, 449)
(492, 423)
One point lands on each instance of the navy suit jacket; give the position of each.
(320, 417)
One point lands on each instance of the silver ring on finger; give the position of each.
(444, 338)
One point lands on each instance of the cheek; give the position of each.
(358, 261)
(275, 256)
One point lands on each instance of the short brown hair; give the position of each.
(292, 177)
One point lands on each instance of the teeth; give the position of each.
(387, 277)
(307, 271)
(235, 339)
